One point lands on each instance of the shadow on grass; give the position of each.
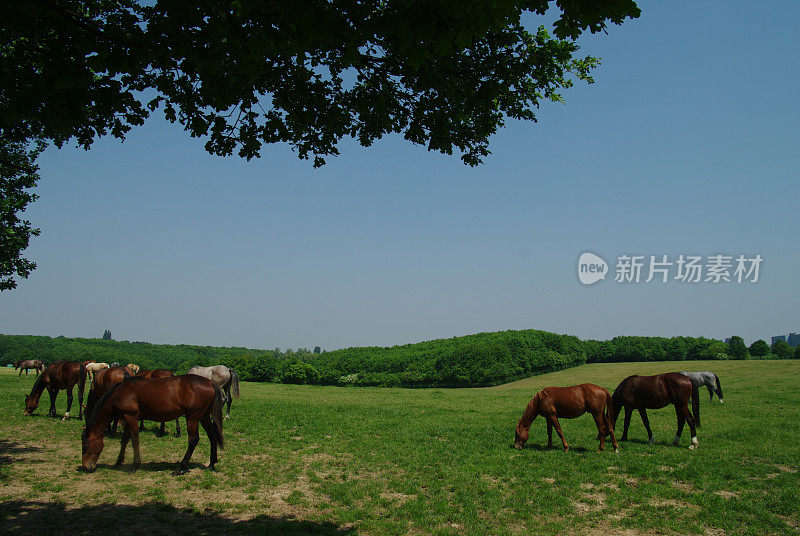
(554, 448)
(127, 466)
(8, 448)
(19, 518)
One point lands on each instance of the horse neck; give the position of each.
(39, 386)
(101, 416)
(530, 413)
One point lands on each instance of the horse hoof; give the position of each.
(692, 447)
(616, 451)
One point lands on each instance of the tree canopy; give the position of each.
(239, 75)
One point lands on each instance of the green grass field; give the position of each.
(371, 461)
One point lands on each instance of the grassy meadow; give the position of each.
(375, 461)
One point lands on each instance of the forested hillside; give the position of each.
(482, 359)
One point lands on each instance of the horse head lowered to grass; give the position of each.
(163, 399)
(567, 403)
(58, 376)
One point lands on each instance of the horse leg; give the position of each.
(681, 421)
(628, 412)
(69, 405)
(178, 427)
(20, 373)
(549, 434)
(230, 399)
(194, 437)
(163, 430)
(131, 423)
(126, 435)
(53, 394)
(208, 426)
(601, 429)
(690, 419)
(646, 421)
(558, 429)
(710, 394)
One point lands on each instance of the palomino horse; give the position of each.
(28, 364)
(61, 375)
(93, 367)
(707, 378)
(656, 392)
(103, 381)
(159, 373)
(196, 398)
(223, 377)
(568, 403)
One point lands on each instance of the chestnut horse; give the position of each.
(164, 399)
(104, 380)
(61, 375)
(159, 373)
(28, 364)
(568, 403)
(656, 392)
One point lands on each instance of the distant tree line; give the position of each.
(482, 359)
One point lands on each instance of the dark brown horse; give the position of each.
(61, 375)
(568, 403)
(656, 392)
(196, 398)
(28, 364)
(102, 381)
(159, 373)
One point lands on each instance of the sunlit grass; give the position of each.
(438, 461)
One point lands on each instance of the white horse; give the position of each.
(223, 377)
(707, 378)
(93, 367)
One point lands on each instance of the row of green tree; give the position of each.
(482, 359)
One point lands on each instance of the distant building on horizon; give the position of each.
(777, 338)
(794, 340)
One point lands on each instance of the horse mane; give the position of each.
(38, 385)
(96, 411)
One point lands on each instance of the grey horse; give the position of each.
(223, 377)
(707, 378)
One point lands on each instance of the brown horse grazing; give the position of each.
(196, 398)
(28, 364)
(656, 392)
(61, 375)
(103, 381)
(568, 403)
(159, 373)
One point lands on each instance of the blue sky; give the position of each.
(687, 143)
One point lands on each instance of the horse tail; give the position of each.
(615, 404)
(81, 385)
(607, 412)
(216, 416)
(719, 387)
(696, 404)
(234, 384)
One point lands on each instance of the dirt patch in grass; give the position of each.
(589, 502)
(672, 503)
(725, 494)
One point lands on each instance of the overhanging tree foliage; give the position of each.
(240, 74)
(18, 174)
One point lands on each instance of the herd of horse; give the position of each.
(633, 393)
(128, 394)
